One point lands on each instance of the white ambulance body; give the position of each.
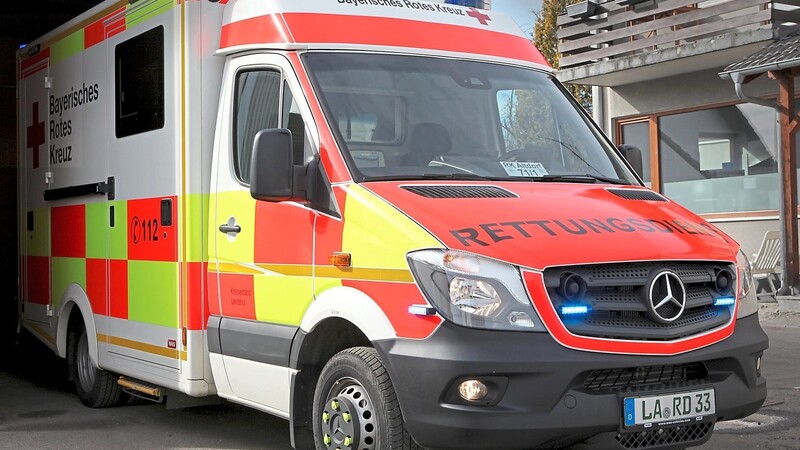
(260, 200)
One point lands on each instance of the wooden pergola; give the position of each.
(781, 62)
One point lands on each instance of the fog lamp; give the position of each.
(758, 366)
(472, 390)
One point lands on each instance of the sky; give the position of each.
(520, 10)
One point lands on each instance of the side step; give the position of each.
(141, 389)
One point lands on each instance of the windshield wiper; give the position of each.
(569, 178)
(581, 178)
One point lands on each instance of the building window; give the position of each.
(139, 75)
(720, 160)
(715, 160)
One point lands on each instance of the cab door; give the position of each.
(262, 251)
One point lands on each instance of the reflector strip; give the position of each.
(34, 64)
(142, 347)
(365, 274)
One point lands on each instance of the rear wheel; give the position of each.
(355, 405)
(96, 388)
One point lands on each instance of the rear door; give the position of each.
(33, 117)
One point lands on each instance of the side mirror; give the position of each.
(633, 155)
(273, 175)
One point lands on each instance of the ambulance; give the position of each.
(382, 220)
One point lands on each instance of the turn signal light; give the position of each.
(340, 259)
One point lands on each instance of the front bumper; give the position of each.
(541, 397)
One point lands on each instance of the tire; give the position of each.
(355, 405)
(96, 388)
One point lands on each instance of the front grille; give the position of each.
(636, 377)
(618, 295)
(449, 191)
(684, 434)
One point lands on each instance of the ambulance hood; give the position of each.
(541, 224)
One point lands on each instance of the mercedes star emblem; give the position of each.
(667, 297)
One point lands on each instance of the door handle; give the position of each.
(228, 228)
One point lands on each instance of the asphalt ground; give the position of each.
(777, 424)
(39, 410)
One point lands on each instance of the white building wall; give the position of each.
(678, 92)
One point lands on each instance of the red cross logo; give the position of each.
(482, 18)
(35, 135)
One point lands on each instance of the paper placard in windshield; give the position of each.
(524, 169)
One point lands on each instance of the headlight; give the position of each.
(474, 291)
(748, 303)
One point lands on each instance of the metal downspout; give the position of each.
(598, 108)
(738, 82)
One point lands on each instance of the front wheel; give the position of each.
(96, 388)
(355, 405)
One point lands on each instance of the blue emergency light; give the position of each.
(724, 301)
(473, 3)
(575, 310)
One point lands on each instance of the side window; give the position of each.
(257, 108)
(292, 120)
(139, 76)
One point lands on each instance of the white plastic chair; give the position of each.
(766, 264)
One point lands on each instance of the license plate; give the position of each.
(668, 409)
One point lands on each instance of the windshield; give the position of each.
(407, 117)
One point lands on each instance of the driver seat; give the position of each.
(428, 140)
